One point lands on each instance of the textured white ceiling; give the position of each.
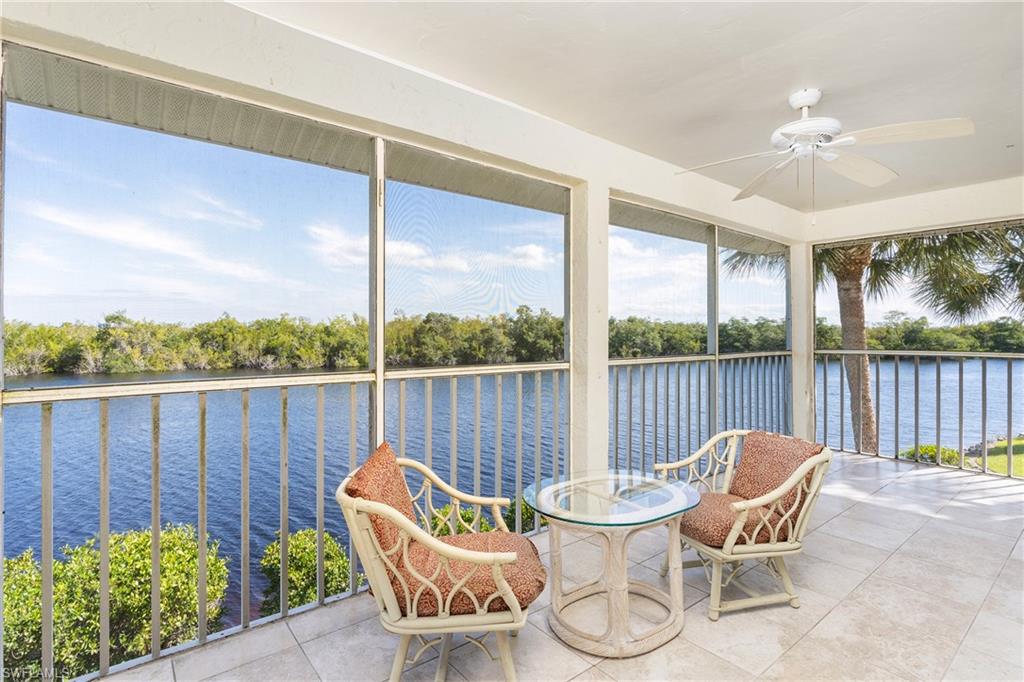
(693, 83)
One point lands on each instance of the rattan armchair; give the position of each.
(438, 576)
(757, 509)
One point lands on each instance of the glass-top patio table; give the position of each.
(615, 505)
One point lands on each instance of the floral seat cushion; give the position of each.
(710, 521)
(380, 479)
(526, 576)
(767, 460)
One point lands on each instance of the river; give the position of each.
(76, 449)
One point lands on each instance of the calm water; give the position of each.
(76, 450)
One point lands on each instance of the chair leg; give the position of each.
(442, 664)
(505, 653)
(399, 663)
(787, 582)
(715, 607)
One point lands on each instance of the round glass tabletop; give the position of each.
(611, 498)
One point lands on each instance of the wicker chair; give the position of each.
(757, 509)
(430, 571)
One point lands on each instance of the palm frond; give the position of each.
(744, 263)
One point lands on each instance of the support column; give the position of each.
(801, 338)
(377, 293)
(587, 317)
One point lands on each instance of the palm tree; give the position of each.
(958, 275)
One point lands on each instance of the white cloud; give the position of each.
(137, 234)
(208, 208)
(405, 254)
(337, 248)
(60, 165)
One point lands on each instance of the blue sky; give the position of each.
(102, 217)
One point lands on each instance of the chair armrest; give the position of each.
(433, 544)
(449, 490)
(704, 449)
(790, 483)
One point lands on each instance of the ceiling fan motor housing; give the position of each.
(806, 131)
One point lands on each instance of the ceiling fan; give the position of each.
(820, 138)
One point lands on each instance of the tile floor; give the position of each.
(910, 572)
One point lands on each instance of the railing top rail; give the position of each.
(670, 359)
(925, 354)
(35, 395)
(473, 370)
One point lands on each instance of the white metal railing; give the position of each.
(536, 389)
(691, 398)
(920, 400)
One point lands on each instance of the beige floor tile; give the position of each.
(869, 533)
(676, 660)
(824, 660)
(822, 576)
(582, 562)
(694, 577)
(425, 672)
(644, 573)
(1007, 596)
(813, 605)
(844, 552)
(998, 637)
(889, 514)
(363, 651)
(540, 620)
(970, 550)
(593, 674)
(749, 639)
(320, 621)
(896, 628)
(1001, 519)
(970, 666)
(290, 665)
(935, 579)
(159, 670)
(231, 652)
(537, 656)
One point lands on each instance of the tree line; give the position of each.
(120, 344)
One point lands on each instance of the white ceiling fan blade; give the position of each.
(858, 168)
(768, 174)
(736, 158)
(914, 131)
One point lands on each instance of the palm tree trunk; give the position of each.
(858, 370)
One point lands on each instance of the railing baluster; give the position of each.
(896, 407)
(860, 405)
(320, 579)
(283, 521)
(629, 417)
(353, 560)
(498, 429)
(643, 417)
(401, 417)
(104, 533)
(679, 406)
(202, 592)
(519, 453)
(917, 408)
(689, 411)
(700, 407)
(878, 405)
(556, 380)
(938, 411)
(654, 429)
(476, 434)
(960, 391)
(46, 482)
(244, 512)
(536, 437)
(824, 395)
(428, 422)
(1009, 417)
(842, 403)
(154, 522)
(453, 437)
(615, 418)
(984, 415)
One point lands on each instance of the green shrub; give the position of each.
(302, 570)
(950, 457)
(439, 528)
(76, 589)
(528, 516)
